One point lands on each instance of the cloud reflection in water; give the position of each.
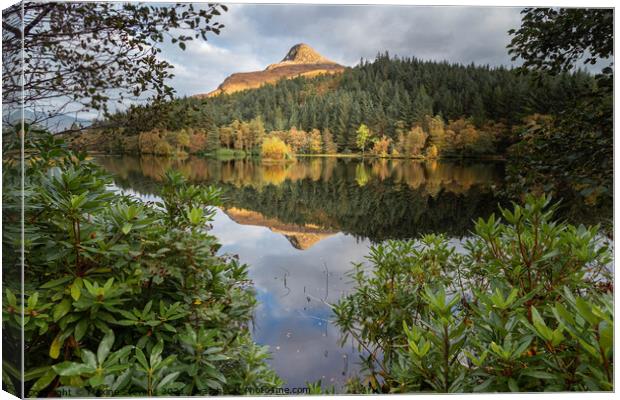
(292, 286)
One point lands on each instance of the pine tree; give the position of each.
(279, 124)
(355, 119)
(329, 147)
(342, 126)
(213, 140)
(293, 121)
(477, 111)
(422, 105)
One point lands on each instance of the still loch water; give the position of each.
(300, 225)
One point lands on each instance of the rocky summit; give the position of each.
(301, 60)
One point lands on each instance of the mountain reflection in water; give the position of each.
(300, 225)
(301, 237)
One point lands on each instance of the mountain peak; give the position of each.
(301, 60)
(301, 54)
(304, 54)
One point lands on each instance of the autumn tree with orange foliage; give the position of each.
(381, 147)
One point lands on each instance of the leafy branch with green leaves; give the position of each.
(122, 296)
(526, 305)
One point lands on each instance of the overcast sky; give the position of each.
(258, 35)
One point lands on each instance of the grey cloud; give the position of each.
(257, 35)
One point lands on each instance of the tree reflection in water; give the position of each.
(374, 199)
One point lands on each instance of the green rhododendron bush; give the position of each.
(525, 304)
(121, 296)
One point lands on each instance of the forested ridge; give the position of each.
(452, 104)
(392, 89)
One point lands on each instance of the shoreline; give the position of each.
(499, 158)
(419, 158)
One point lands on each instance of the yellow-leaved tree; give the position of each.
(274, 148)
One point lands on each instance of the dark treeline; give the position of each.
(388, 95)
